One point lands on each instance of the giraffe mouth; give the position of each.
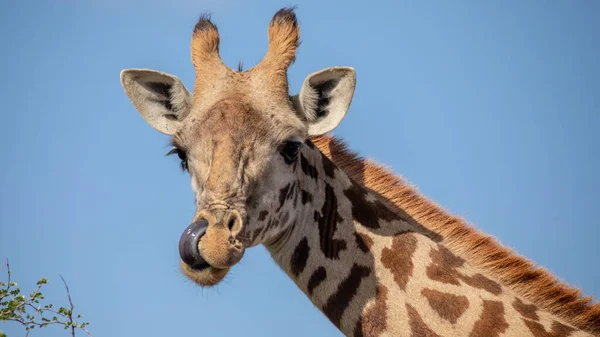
(205, 270)
(188, 246)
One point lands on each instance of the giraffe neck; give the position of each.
(374, 271)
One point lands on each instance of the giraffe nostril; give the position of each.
(231, 224)
(188, 245)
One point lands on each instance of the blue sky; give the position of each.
(491, 108)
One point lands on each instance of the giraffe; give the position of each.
(373, 255)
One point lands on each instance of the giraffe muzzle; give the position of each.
(210, 241)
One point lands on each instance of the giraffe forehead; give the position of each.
(241, 119)
(229, 116)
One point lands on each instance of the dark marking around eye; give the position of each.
(309, 144)
(290, 151)
(307, 168)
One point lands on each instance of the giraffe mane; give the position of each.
(509, 268)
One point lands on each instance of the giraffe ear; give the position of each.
(161, 99)
(325, 98)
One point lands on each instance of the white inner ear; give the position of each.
(161, 99)
(325, 98)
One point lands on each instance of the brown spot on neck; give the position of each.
(328, 221)
(417, 326)
(492, 322)
(369, 213)
(443, 268)
(398, 259)
(363, 242)
(358, 330)
(528, 311)
(328, 167)
(317, 277)
(338, 302)
(450, 307)
(481, 282)
(374, 320)
(300, 257)
(558, 329)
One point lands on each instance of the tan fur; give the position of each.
(512, 270)
(204, 49)
(205, 46)
(284, 39)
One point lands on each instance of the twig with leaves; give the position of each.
(30, 313)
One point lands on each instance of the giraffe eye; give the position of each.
(290, 151)
(182, 156)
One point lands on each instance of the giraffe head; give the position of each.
(238, 135)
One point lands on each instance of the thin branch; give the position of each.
(8, 271)
(70, 313)
(37, 312)
(8, 268)
(27, 323)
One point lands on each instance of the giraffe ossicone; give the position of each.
(376, 257)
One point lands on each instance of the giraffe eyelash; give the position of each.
(182, 156)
